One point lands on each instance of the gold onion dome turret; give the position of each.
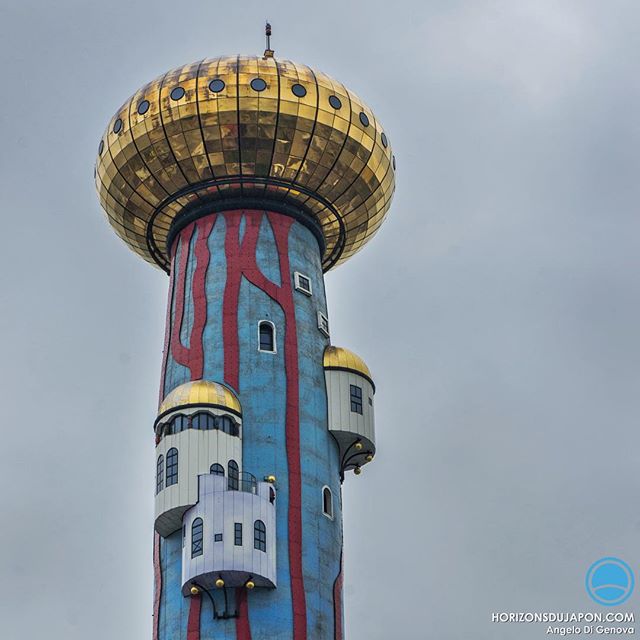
(244, 129)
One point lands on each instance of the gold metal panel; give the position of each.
(202, 144)
(340, 358)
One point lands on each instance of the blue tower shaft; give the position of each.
(230, 272)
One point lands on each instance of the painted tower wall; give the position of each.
(230, 271)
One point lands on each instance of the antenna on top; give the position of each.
(268, 52)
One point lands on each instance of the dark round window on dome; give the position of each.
(364, 119)
(299, 90)
(216, 86)
(258, 84)
(117, 126)
(143, 107)
(334, 101)
(101, 147)
(385, 142)
(177, 93)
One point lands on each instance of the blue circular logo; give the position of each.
(610, 581)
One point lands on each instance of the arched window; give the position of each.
(267, 331)
(234, 475)
(160, 474)
(259, 536)
(272, 495)
(217, 469)
(327, 502)
(203, 421)
(172, 466)
(197, 531)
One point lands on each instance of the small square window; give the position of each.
(356, 399)
(302, 283)
(217, 537)
(323, 324)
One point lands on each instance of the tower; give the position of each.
(245, 179)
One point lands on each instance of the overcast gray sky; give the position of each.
(498, 308)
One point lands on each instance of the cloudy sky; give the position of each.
(498, 308)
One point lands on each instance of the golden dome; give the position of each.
(343, 359)
(201, 392)
(251, 127)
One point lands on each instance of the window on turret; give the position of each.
(234, 475)
(217, 469)
(160, 474)
(172, 466)
(178, 424)
(327, 502)
(259, 536)
(356, 399)
(197, 531)
(203, 421)
(302, 283)
(237, 534)
(226, 424)
(267, 337)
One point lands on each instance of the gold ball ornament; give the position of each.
(357, 471)
(250, 584)
(195, 591)
(219, 583)
(271, 479)
(358, 445)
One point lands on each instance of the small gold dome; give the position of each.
(245, 126)
(201, 393)
(219, 583)
(195, 591)
(270, 479)
(250, 584)
(343, 359)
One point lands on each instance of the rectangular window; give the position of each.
(217, 537)
(237, 534)
(356, 399)
(323, 324)
(302, 283)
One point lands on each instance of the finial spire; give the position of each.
(268, 52)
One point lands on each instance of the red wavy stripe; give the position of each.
(199, 293)
(337, 602)
(193, 624)
(243, 627)
(179, 352)
(230, 302)
(157, 593)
